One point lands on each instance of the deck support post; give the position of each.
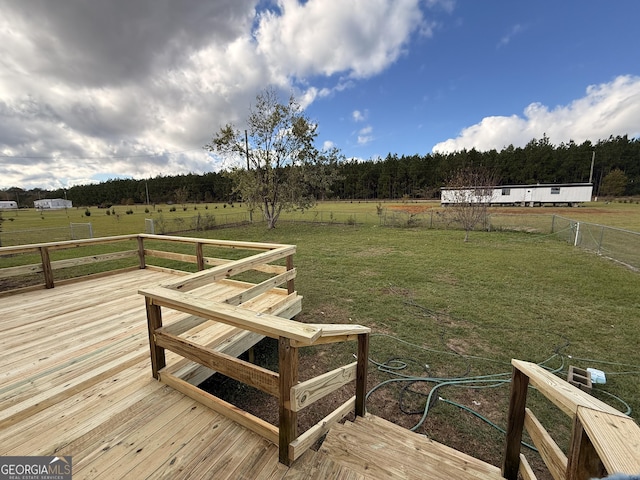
(515, 424)
(141, 257)
(290, 283)
(154, 321)
(361, 373)
(46, 267)
(199, 256)
(288, 377)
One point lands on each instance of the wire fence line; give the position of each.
(615, 243)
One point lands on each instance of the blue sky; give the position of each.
(97, 90)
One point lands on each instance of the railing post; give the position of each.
(290, 283)
(199, 256)
(141, 256)
(154, 321)
(288, 377)
(515, 424)
(361, 373)
(583, 460)
(46, 267)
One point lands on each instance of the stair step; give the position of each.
(317, 465)
(380, 449)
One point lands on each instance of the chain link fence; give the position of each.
(616, 244)
(75, 231)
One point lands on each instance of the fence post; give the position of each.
(575, 242)
(553, 222)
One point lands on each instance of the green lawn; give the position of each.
(452, 309)
(466, 309)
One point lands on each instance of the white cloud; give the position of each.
(83, 81)
(328, 145)
(607, 109)
(515, 30)
(333, 36)
(359, 116)
(365, 135)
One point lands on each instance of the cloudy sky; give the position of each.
(92, 90)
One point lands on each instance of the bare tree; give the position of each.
(468, 195)
(285, 171)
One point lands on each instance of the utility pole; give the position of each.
(246, 148)
(246, 151)
(593, 159)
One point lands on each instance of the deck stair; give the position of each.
(378, 449)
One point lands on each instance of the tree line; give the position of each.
(616, 172)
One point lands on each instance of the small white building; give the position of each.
(52, 204)
(531, 195)
(8, 205)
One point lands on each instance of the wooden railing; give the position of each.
(46, 267)
(604, 441)
(291, 335)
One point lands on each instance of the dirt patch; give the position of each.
(265, 406)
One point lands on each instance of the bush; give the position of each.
(129, 212)
(146, 210)
(87, 213)
(172, 209)
(108, 212)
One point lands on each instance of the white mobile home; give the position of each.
(531, 195)
(52, 204)
(8, 205)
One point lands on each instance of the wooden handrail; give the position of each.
(604, 440)
(46, 266)
(262, 323)
(235, 267)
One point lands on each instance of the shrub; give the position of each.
(129, 212)
(146, 210)
(172, 209)
(108, 212)
(87, 213)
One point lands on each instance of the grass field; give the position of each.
(118, 221)
(451, 309)
(466, 310)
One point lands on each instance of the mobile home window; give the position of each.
(555, 190)
(506, 191)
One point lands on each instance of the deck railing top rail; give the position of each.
(604, 440)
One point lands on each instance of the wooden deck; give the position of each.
(75, 379)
